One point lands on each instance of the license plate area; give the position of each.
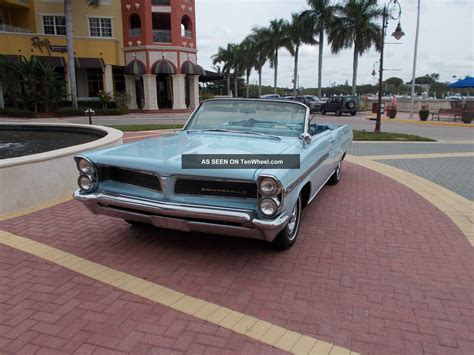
(170, 223)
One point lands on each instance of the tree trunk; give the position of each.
(295, 73)
(320, 63)
(236, 79)
(275, 75)
(354, 70)
(228, 84)
(259, 82)
(71, 70)
(248, 84)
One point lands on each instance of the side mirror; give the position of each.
(306, 138)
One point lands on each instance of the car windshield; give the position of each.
(275, 118)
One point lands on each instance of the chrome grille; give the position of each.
(215, 188)
(143, 179)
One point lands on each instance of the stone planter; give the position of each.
(392, 113)
(424, 114)
(467, 116)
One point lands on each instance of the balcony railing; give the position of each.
(9, 28)
(162, 36)
(135, 32)
(160, 2)
(188, 34)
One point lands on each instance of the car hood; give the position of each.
(163, 154)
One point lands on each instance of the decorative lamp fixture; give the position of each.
(130, 43)
(184, 44)
(398, 33)
(190, 9)
(191, 45)
(137, 5)
(374, 73)
(183, 7)
(127, 6)
(139, 43)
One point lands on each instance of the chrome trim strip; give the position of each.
(306, 173)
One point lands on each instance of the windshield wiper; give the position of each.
(235, 131)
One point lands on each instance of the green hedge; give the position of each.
(16, 112)
(69, 111)
(93, 104)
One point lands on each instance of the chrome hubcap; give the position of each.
(292, 224)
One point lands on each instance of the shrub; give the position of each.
(16, 112)
(109, 112)
(69, 111)
(93, 104)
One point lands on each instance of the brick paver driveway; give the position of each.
(376, 269)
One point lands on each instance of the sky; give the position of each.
(446, 41)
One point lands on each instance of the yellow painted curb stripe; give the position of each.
(459, 209)
(35, 208)
(419, 156)
(240, 323)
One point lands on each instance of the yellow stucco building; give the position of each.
(37, 28)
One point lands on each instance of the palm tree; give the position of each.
(321, 15)
(230, 57)
(272, 40)
(355, 27)
(248, 57)
(300, 32)
(258, 37)
(70, 47)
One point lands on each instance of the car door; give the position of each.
(319, 164)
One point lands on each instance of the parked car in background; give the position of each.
(340, 105)
(312, 102)
(270, 96)
(146, 182)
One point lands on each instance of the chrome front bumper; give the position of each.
(188, 218)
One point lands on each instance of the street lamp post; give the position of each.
(398, 33)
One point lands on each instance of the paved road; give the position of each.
(439, 133)
(376, 269)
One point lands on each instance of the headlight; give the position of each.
(84, 166)
(268, 187)
(86, 182)
(269, 206)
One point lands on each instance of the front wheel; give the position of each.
(323, 111)
(353, 113)
(287, 237)
(338, 113)
(336, 175)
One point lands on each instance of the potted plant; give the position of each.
(424, 112)
(467, 116)
(392, 111)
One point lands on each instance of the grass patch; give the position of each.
(388, 136)
(146, 127)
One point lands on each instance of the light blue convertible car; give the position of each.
(239, 167)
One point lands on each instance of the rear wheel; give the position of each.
(287, 237)
(353, 113)
(323, 111)
(338, 112)
(336, 175)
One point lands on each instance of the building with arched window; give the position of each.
(161, 67)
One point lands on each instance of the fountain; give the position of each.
(36, 160)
